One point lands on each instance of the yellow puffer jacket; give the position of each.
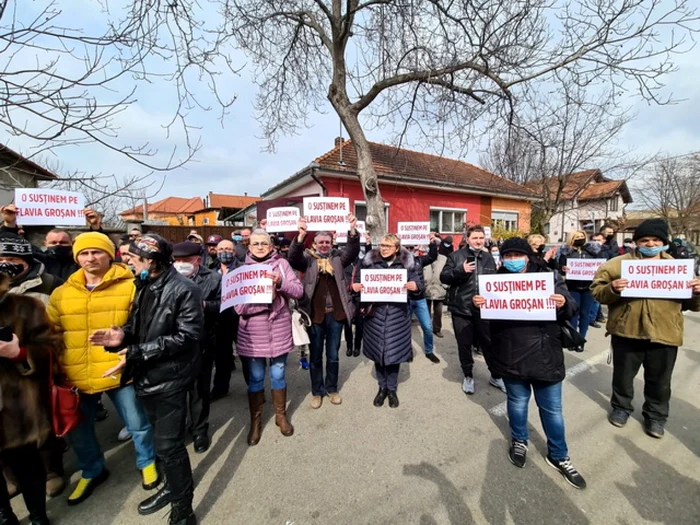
(78, 312)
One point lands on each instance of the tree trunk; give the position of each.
(375, 222)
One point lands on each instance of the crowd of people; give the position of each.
(140, 321)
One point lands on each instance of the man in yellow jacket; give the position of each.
(645, 332)
(98, 296)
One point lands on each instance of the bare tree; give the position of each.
(671, 190)
(559, 133)
(440, 66)
(64, 85)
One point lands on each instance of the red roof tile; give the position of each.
(169, 205)
(390, 162)
(218, 201)
(600, 190)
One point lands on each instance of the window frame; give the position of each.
(440, 210)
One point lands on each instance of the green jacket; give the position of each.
(658, 320)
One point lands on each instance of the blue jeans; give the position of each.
(329, 331)
(585, 306)
(83, 439)
(548, 399)
(257, 366)
(595, 312)
(420, 308)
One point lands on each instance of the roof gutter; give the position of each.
(314, 167)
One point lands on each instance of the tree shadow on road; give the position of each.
(658, 492)
(525, 495)
(450, 497)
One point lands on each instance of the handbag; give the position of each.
(65, 403)
(570, 337)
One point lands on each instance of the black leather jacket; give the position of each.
(421, 262)
(167, 360)
(464, 286)
(209, 283)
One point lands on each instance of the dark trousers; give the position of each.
(199, 397)
(435, 306)
(223, 358)
(327, 332)
(28, 467)
(168, 415)
(52, 455)
(356, 341)
(658, 361)
(471, 331)
(387, 376)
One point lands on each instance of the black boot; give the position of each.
(158, 501)
(182, 514)
(7, 517)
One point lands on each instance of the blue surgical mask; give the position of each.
(652, 252)
(237, 238)
(515, 265)
(143, 275)
(495, 254)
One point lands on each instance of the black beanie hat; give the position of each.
(516, 244)
(652, 228)
(12, 245)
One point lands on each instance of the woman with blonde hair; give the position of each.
(387, 331)
(577, 248)
(543, 257)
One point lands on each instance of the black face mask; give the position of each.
(579, 242)
(540, 249)
(61, 252)
(389, 259)
(11, 269)
(609, 237)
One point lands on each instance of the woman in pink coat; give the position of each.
(265, 332)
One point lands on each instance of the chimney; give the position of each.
(339, 141)
(245, 193)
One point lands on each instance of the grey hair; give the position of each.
(260, 231)
(323, 234)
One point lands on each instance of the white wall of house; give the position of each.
(589, 215)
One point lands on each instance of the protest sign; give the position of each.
(383, 286)
(342, 237)
(285, 219)
(659, 279)
(582, 269)
(40, 207)
(246, 285)
(487, 232)
(518, 296)
(326, 213)
(414, 233)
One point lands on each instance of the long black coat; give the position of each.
(464, 286)
(209, 283)
(167, 359)
(531, 350)
(387, 332)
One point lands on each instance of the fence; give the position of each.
(179, 233)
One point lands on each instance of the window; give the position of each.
(205, 220)
(508, 220)
(361, 211)
(447, 220)
(614, 203)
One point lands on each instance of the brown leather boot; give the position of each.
(256, 401)
(279, 399)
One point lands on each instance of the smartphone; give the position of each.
(470, 259)
(6, 333)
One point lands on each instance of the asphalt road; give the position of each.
(439, 458)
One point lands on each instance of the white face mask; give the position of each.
(184, 268)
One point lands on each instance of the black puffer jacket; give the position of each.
(589, 251)
(531, 350)
(167, 359)
(464, 286)
(387, 332)
(209, 283)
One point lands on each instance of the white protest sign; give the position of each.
(383, 286)
(583, 269)
(246, 285)
(518, 296)
(487, 232)
(326, 213)
(659, 279)
(284, 219)
(414, 233)
(40, 207)
(342, 237)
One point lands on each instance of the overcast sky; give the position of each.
(231, 159)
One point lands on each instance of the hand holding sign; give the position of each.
(357, 287)
(93, 218)
(353, 223)
(695, 284)
(479, 301)
(619, 284)
(276, 278)
(411, 286)
(558, 299)
(302, 229)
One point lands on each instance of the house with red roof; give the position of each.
(415, 186)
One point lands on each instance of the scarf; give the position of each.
(324, 262)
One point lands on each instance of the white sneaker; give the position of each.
(498, 383)
(468, 385)
(124, 435)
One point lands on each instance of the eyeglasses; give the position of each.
(260, 244)
(387, 246)
(323, 242)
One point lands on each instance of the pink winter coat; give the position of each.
(265, 330)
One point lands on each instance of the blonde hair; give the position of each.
(535, 237)
(391, 237)
(570, 239)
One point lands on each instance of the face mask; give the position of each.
(184, 268)
(13, 270)
(237, 238)
(495, 254)
(540, 249)
(515, 265)
(628, 245)
(61, 252)
(652, 252)
(579, 242)
(143, 274)
(609, 237)
(225, 257)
